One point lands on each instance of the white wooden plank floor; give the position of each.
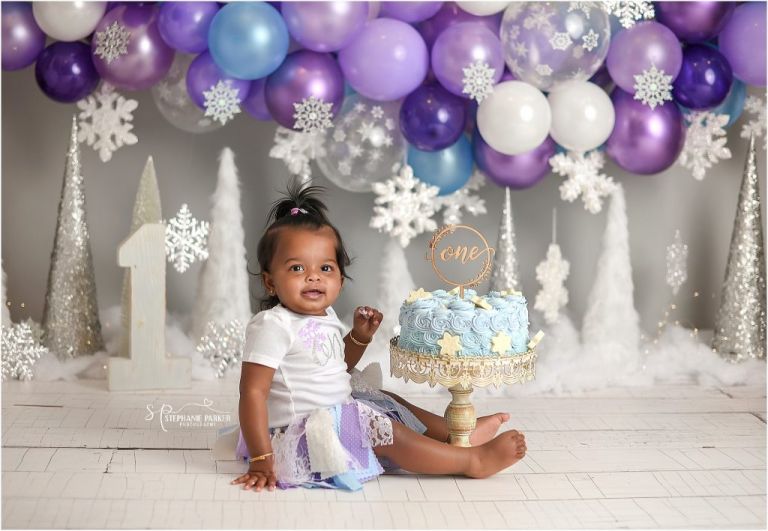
(77, 456)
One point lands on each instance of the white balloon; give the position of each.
(68, 21)
(515, 118)
(482, 9)
(582, 115)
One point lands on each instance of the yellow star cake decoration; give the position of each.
(418, 294)
(506, 292)
(501, 343)
(482, 303)
(449, 345)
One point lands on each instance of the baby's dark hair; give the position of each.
(300, 208)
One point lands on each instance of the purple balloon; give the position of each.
(23, 40)
(386, 60)
(742, 42)
(431, 118)
(645, 140)
(638, 48)
(461, 45)
(65, 72)
(704, 80)
(324, 26)
(184, 25)
(256, 103)
(694, 21)
(303, 74)
(203, 74)
(451, 14)
(513, 171)
(148, 58)
(409, 11)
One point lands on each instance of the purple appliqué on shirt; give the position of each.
(311, 334)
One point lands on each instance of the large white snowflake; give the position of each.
(551, 274)
(756, 107)
(478, 80)
(653, 87)
(21, 348)
(560, 41)
(222, 345)
(583, 177)
(677, 267)
(186, 239)
(297, 150)
(630, 11)
(222, 101)
(704, 142)
(404, 206)
(590, 40)
(463, 199)
(112, 42)
(312, 114)
(110, 117)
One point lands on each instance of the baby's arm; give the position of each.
(364, 325)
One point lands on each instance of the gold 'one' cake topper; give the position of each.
(460, 245)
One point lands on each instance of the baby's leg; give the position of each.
(416, 453)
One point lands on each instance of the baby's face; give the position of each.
(304, 274)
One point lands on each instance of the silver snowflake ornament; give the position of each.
(551, 274)
(704, 142)
(222, 345)
(478, 80)
(755, 107)
(105, 121)
(112, 42)
(20, 350)
(404, 206)
(297, 150)
(583, 178)
(186, 239)
(312, 114)
(463, 200)
(653, 87)
(677, 263)
(222, 101)
(629, 12)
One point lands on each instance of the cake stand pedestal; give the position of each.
(461, 374)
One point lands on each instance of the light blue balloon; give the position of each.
(248, 40)
(733, 104)
(449, 169)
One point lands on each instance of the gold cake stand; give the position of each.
(461, 375)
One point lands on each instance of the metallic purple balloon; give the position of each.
(23, 40)
(704, 80)
(513, 171)
(256, 103)
(65, 72)
(303, 74)
(184, 25)
(409, 11)
(324, 26)
(451, 14)
(645, 140)
(203, 74)
(431, 118)
(743, 43)
(148, 59)
(694, 21)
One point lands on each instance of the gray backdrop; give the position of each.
(35, 133)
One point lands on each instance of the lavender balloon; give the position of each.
(636, 49)
(148, 58)
(65, 73)
(204, 74)
(256, 102)
(513, 171)
(184, 25)
(704, 80)
(409, 11)
(694, 21)
(324, 26)
(303, 74)
(386, 60)
(459, 47)
(645, 140)
(743, 44)
(23, 40)
(432, 118)
(450, 14)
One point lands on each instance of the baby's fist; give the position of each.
(365, 323)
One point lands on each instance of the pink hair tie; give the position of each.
(295, 211)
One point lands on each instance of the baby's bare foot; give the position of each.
(497, 454)
(487, 427)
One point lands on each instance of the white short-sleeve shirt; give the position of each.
(307, 353)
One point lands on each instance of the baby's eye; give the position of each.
(298, 268)
(326, 268)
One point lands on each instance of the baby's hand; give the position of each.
(365, 323)
(258, 479)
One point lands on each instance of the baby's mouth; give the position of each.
(313, 293)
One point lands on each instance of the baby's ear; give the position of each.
(266, 279)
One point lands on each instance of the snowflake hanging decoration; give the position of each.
(222, 101)
(756, 125)
(112, 42)
(20, 350)
(704, 142)
(186, 239)
(312, 115)
(653, 87)
(590, 40)
(551, 274)
(222, 345)
(560, 41)
(478, 80)
(110, 125)
(629, 11)
(463, 199)
(677, 258)
(297, 150)
(583, 177)
(404, 206)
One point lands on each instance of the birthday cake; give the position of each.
(444, 323)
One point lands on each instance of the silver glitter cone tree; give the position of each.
(71, 324)
(505, 274)
(5, 310)
(740, 323)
